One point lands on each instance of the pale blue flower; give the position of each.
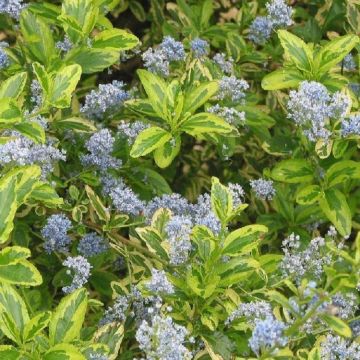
(79, 268)
(55, 233)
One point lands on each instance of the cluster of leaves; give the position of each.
(160, 199)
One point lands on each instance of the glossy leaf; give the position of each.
(68, 318)
(336, 209)
(243, 240)
(203, 123)
(293, 171)
(296, 51)
(149, 140)
(13, 86)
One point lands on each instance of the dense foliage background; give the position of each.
(179, 180)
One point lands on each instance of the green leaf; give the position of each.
(235, 270)
(314, 354)
(37, 37)
(353, 14)
(155, 181)
(15, 269)
(203, 123)
(282, 79)
(64, 85)
(138, 10)
(67, 321)
(12, 254)
(149, 140)
(9, 112)
(79, 18)
(153, 240)
(165, 154)
(336, 324)
(293, 171)
(45, 10)
(15, 186)
(8, 352)
(92, 60)
(155, 88)
(8, 206)
(63, 352)
(204, 239)
(32, 130)
(254, 117)
(243, 240)
(308, 195)
(115, 39)
(101, 211)
(13, 313)
(111, 335)
(341, 171)
(336, 209)
(221, 200)
(75, 124)
(141, 107)
(13, 86)
(46, 194)
(36, 325)
(27, 179)
(199, 96)
(334, 51)
(296, 51)
(339, 148)
(43, 78)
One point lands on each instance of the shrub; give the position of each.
(179, 180)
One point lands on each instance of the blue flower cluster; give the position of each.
(231, 115)
(279, 13)
(66, 45)
(125, 200)
(117, 312)
(252, 311)
(310, 261)
(237, 193)
(100, 146)
(158, 60)
(11, 7)
(178, 231)
(107, 99)
(97, 356)
(55, 233)
(349, 63)
(279, 16)
(130, 130)
(351, 126)
(4, 57)
(159, 284)
(263, 189)
(312, 106)
(268, 334)
(24, 151)
(199, 47)
(260, 30)
(36, 94)
(163, 339)
(203, 215)
(232, 88)
(92, 244)
(334, 347)
(226, 65)
(80, 269)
